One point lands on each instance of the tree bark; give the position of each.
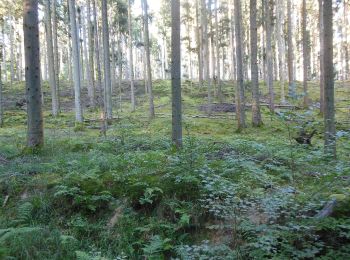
(240, 102)
(329, 113)
(107, 64)
(35, 137)
(176, 73)
(256, 114)
(51, 58)
(148, 60)
(76, 62)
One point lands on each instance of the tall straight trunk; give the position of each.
(12, 54)
(240, 102)
(233, 48)
(176, 73)
(346, 43)
(97, 58)
(131, 61)
(19, 59)
(55, 49)
(76, 62)
(107, 64)
(321, 24)
(91, 88)
(212, 46)
(35, 137)
(329, 111)
(305, 54)
(1, 99)
(199, 45)
(217, 47)
(292, 90)
(51, 58)
(256, 114)
(281, 47)
(85, 39)
(81, 47)
(120, 69)
(4, 64)
(148, 60)
(205, 44)
(113, 66)
(269, 55)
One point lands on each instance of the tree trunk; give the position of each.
(12, 54)
(107, 64)
(205, 50)
(148, 59)
(55, 49)
(329, 113)
(290, 51)
(176, 73)
(76, 62)
(50, 58)
(256, 115)
(281, 47)
(1, 99)
(240, 102)
(269, 55)
(131, 61)
(91, 88)
(217, 45)
(321, 24)
(35, 136)
(199, 46)
(305, 55)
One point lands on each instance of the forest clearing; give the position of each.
(217, 140)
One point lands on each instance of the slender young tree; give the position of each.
(328, 78)
(131, 62)
(256, 115)
(148, 59)
(176, 73)
(35, 136)
(51, 58)
(107, 64)
(240, 102)
(76, 62)
(305, 54)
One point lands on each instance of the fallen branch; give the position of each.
(327, 209)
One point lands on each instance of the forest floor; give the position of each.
(130, 194)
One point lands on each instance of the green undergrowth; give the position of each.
(133, 195)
